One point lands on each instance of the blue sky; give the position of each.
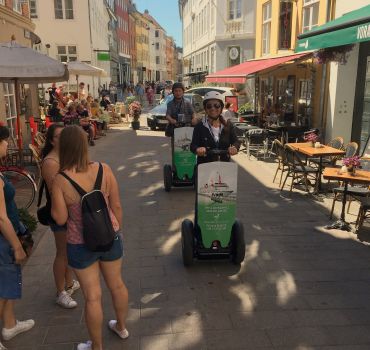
(166, 13)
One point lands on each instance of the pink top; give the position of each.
(74, 222)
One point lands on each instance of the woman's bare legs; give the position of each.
(111, 271)
(7, 313)
(62, 273)
(90, 285)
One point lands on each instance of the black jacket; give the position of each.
(203, 138)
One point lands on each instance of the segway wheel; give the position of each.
(167, 177)
(238, 243)
(187, 242)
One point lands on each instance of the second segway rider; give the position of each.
(179, 108)
(213, 132)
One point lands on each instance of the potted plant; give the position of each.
(351, 163)
(311, 138)
(134, 110)
(246, 108)
(30, 222)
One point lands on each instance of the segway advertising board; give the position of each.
(217, 192)
(184, 160)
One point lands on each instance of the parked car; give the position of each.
(202, 90)
(157, 116)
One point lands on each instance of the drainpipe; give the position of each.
(324, 77)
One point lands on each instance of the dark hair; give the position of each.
(48, 139)
(55, 104)
(177, 86)
(73, 149)
(4, 132)
(227, 105)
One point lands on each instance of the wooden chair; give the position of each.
(283, 166)
(337, 143)
(298, 170)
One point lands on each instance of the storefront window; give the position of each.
(304, 101)
(285, 25)
(10, 107)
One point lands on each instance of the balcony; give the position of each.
(235, 29)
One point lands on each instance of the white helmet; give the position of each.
(213, 95)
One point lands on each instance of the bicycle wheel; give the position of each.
(25, 187)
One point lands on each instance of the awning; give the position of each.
(353, 27)
(239, 73)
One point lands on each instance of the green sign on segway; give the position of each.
(215, 231)
(181, 172)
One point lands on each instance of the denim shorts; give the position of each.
(79, 257)
(10, 273)
(57, 228)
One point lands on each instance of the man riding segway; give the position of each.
(181, 116)
(215, 230)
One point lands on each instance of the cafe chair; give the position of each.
(278, 149)
(299, 171)
(363, 213)
(256, 142)
(351, 149)
(356, 192)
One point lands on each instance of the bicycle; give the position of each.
(24, 184)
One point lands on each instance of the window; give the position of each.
(2, 2)
(33, 9)
(17, 5)
(10, 109)
(157, 60)
(310, 14)
(157, 46)
(285, 25)
(266, 28)
(63, 9)
(234, 9)
(157, 33)
(67, 53)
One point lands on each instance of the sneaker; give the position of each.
(20, 327)
(92, 143)
(75, 286)
(112, 324)
(2, 347)
(65, 300)
(85, 346)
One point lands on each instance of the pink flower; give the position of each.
(352, 161)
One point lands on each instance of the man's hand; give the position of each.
(201, 151)
(232, 150)
(173, 121)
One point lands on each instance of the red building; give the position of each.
(123, 40)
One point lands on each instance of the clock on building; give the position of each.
(233, 53)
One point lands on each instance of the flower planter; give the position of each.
(135, 124)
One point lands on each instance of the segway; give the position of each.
(181, 172)
(216, 231)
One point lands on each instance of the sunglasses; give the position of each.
(214, 105)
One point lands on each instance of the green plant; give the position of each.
(246, 107)
(28, 219)
(130, 99)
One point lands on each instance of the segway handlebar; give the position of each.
(217, 152)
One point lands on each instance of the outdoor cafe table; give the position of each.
(361, 176)
(308, 150)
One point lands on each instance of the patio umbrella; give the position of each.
(23, 65)
(81, 68)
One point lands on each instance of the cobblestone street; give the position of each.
(300, 286)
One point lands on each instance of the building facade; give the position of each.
(15, 22)
(291, 91)
(88, 18)
(216, 34)
(132, 43)
(123, 40)
(142, 45)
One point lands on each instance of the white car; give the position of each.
(202, 90)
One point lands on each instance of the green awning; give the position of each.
(353, 27)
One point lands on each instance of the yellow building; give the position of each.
(293, 89)
(142, 45)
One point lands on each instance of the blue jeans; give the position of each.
(10, 273)
(79, 257)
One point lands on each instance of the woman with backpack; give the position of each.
(11, 254)
(80, 186)
(64, 282)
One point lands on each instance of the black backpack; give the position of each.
(98, 232)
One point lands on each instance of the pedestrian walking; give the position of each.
(63, 276)
(11, 255)
(79, 173)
